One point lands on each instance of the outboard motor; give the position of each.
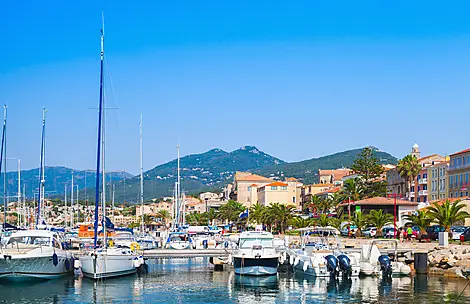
(385, 265)
(332, 264)
(345, 264)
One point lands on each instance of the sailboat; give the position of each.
(103, 262)
(35, 253)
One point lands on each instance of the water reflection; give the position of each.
(194, 281)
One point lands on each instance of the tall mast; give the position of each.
(141, 176)
(2, 157)
(71, 205)
(178, 188)
(65, 205)
(78, 206)
(26, 219)
(97, 184)
(19, 193)
(41, 169)
(112, 208)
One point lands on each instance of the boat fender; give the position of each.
(296, 261)
(281, 260)
(225, 244)
(306, 265)
(77, 264)
(136, 262)
(284, 256)
(291, 259)
(55, 259)
(67, 264)
(141, 260)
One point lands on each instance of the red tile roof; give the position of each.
(463, 151)
(277, 184)
(255, 177)
(381, 201)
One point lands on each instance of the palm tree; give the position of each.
(256, 215)
(281, 214)
(336, 221)
(352, 189)
(323, 220)
(211, 215)
(359, 220)
(422, 219)
(299, 222)
(408, 167)
(164, 215)
(231, 210)
(379, 219)
(447, 214)
(315, 204)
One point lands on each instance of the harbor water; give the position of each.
(194, 281)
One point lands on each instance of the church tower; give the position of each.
(415, 151)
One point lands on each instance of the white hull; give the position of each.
(179, 245)
(108, 264)
(35, 265)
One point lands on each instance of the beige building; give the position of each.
(437, 181)
(276, 192)
(124, 221)
(245, 184)
(459, 171)
(334, 177)
(307, 191)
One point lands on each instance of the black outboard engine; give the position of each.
(345, 264)
(332, 264)
(385, 265)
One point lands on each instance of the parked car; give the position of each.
(465, 236)
(345, 231)
(388, 232)
(457, 231)
(433, 231)
(370, 232)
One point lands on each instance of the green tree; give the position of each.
(323, 220)
(421, 219)
(281, 214)
(337, 221)
(315, 204)
(256, 214)
(164, 215)
(369, 170)
(408, 167)
(447, 214)
(299, 222)
(360, 221)
(352, 190)
(231, 211)
(211, 215)
(379, 219)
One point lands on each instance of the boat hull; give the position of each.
(179, 245)
(39, 267)
(107, 266)
(255, 266)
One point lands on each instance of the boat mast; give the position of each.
(71, 205)
(178, 188)
(65, 205)
(78, 206)
(2, 157)
(41, 170)
(97, 184)
(141, 176)
(19, 193)
(112, 208)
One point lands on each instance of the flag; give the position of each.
(243, 214)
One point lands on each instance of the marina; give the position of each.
(192, 280)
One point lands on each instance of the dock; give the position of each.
(172, 253)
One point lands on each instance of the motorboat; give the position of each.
(34, 254)
(146, 242)
(320, 254)
(373, 262)
(255, 254)
(178, 240)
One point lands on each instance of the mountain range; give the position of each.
(210, 170)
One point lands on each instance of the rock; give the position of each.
(436, 271)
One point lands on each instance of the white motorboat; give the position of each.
(255, 254)
(178, 240)
(34, 254)
(373, 262)
(146, 242)
(320, 254)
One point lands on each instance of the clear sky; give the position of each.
(297, 79)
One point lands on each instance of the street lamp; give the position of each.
(394, 195)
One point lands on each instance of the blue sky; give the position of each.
(297, 80)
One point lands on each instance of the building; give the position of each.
(243, 186)
(437, 181)
(276, 192)
(458, 172)
(307, 191)
(328, 193)
(124, 221)
(385, 204)
(334, 176)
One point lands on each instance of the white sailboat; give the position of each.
(35, 253)
(103, 262)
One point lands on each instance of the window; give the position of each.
(461, 179)
(418, 200)
(466, 177)
(419, 176)
(425, 199)
(283, 187)
(425, 187)
(249, 188)
(293, 199)
(425, 175)
(273, 187)
(412, 188)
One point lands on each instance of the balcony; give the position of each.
(410, 194)
(423, 192)
(423, 181)
(457, 167)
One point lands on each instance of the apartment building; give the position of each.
(307, 191)
(437, 181)
(245, 187)
(458, 174)
(334, 177)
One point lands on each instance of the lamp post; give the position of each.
(394, 195)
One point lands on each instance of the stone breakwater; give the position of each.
(450, 262)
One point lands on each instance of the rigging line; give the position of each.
(115, 103)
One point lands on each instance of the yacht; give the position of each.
(109, 262)
(34, 254)
(255, 254)
(320, 254)
(178, 240)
